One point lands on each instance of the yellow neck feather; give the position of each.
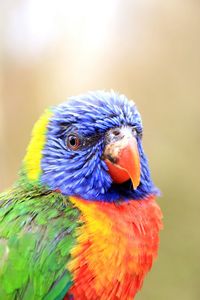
(32, 159)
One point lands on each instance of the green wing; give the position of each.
(37, 232)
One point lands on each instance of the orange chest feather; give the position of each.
(115, 248)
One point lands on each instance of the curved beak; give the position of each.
(123, 160)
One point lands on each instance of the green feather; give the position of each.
(37, 233)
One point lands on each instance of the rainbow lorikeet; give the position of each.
(81, 222)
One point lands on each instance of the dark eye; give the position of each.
(73, 141)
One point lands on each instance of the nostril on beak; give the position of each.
(116, 132)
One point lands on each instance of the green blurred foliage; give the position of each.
(148, 50)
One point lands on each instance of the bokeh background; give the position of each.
(146, 49)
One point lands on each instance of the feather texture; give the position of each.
(67, 229)
(37, 232)
(115, 248)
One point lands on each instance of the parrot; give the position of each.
(81, 222)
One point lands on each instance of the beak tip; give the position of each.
(135, 182)
(135, 186)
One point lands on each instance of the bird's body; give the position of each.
(70, 228)
(37, 232)
(116, 247)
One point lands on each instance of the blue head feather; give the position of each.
(83, 172)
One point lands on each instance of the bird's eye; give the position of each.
(73, 141)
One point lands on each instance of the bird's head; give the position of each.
(90, 147)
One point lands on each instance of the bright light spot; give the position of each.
(35, 25)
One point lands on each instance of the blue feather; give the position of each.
(83, 172)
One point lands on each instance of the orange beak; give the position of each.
(123, 160)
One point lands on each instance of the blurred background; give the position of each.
(146, 49)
